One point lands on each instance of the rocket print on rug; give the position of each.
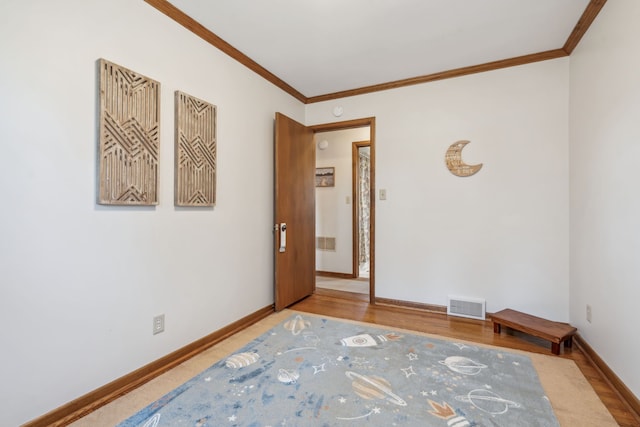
(366, 340)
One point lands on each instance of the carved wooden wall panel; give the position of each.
(195, 174)
(129, 136)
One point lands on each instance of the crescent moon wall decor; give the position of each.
(453, 157)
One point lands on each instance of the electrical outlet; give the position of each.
(158, 324)
(588, 313)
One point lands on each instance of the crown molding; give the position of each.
(581, 27)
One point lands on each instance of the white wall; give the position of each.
(80, 283)
(605, 207)
(501, 234)
(333, 213)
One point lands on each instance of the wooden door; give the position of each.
(295, 262)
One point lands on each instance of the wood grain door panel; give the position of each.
(294, 206)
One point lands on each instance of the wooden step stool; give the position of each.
(556, 332)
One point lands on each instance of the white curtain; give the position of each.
(364, 164)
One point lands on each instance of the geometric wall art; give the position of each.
(195, 151)
(453, 158)
(129, 136)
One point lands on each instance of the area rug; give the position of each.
(316, 371)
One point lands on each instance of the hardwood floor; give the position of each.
(351, 306)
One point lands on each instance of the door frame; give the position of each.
(358, 123)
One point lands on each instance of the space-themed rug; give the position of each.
(314, 371)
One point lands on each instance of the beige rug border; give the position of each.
(574, 401)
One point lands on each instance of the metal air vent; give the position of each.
(473, 308)
(326, 243)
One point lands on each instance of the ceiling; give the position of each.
(323, 49)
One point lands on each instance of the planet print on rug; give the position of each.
(463, 365)
(314, 371)
(241, 360)
(373, 388)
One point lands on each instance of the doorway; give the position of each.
(345, 209)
